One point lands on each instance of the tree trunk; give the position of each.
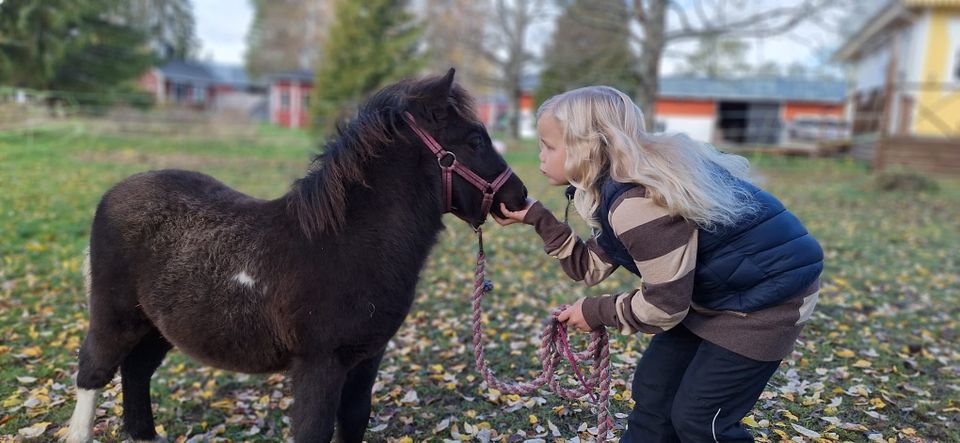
(654, 20)
(515, 98)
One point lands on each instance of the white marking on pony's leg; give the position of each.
(81, 423)
(244, 279)
(87, 279)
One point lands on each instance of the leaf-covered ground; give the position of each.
(879, 362)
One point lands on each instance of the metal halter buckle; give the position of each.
(444, 155)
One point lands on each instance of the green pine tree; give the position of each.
(81, 47)
(590, 46)
(371, 44)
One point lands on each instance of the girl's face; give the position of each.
(553, 153)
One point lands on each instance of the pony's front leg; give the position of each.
(354, 412)
(317, 383)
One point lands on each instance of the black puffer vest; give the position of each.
(752, 265)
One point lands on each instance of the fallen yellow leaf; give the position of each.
(844, 353)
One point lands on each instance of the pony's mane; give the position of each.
(318, 200)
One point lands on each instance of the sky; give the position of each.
(222, 27)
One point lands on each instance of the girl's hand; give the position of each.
(573, 316)
(511, 217)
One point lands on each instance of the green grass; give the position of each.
(879, 360)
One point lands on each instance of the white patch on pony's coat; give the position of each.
(244, 279)
(81, 423)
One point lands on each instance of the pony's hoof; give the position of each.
(157, 439)
(77, 436)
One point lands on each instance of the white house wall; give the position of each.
(698, 128)
(912, 61)
(921, 32)
(871, 70)
(954, 27)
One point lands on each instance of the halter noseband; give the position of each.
(452, 165)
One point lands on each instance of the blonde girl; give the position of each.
(729, 276)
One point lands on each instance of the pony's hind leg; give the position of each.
(100, 355)
(116, 326)
(136, 370)
(353, 415)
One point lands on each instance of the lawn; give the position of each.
(878, 362)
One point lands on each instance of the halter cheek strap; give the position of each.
(449, 165)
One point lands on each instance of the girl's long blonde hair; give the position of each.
(603, 131)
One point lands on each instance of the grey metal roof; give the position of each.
(178, 70)
(187, 71)
(767, 88)
(298, 74)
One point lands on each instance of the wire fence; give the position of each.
(26, 112)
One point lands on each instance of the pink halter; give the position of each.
(487, 188)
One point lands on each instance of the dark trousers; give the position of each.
(687, 389)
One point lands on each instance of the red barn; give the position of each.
(289, 94)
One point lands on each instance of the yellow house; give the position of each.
(905, 70)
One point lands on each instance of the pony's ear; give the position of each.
(442, 89)
(437, 99)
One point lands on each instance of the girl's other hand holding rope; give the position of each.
(573, 316)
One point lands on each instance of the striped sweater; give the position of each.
(664, 249)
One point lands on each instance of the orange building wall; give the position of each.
(665, 106)
(526, 102)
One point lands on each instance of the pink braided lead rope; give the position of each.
(554, 347)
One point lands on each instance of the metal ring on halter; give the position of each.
(447, 154)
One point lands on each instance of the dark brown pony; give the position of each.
(315, 282)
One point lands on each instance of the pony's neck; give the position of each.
(387, 195)
(399, 194)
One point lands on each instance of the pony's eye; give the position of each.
(476, 142)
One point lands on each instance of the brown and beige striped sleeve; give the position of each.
(582, 261)
(664, 249)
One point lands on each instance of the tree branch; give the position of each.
(681, 14)
(761, 24)
(639, 11)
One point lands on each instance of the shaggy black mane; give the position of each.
(318, 199)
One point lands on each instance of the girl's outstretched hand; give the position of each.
(511, 217)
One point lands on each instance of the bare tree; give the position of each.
(708, 18)
(505, 44)
(286, 34)
(446, 23)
